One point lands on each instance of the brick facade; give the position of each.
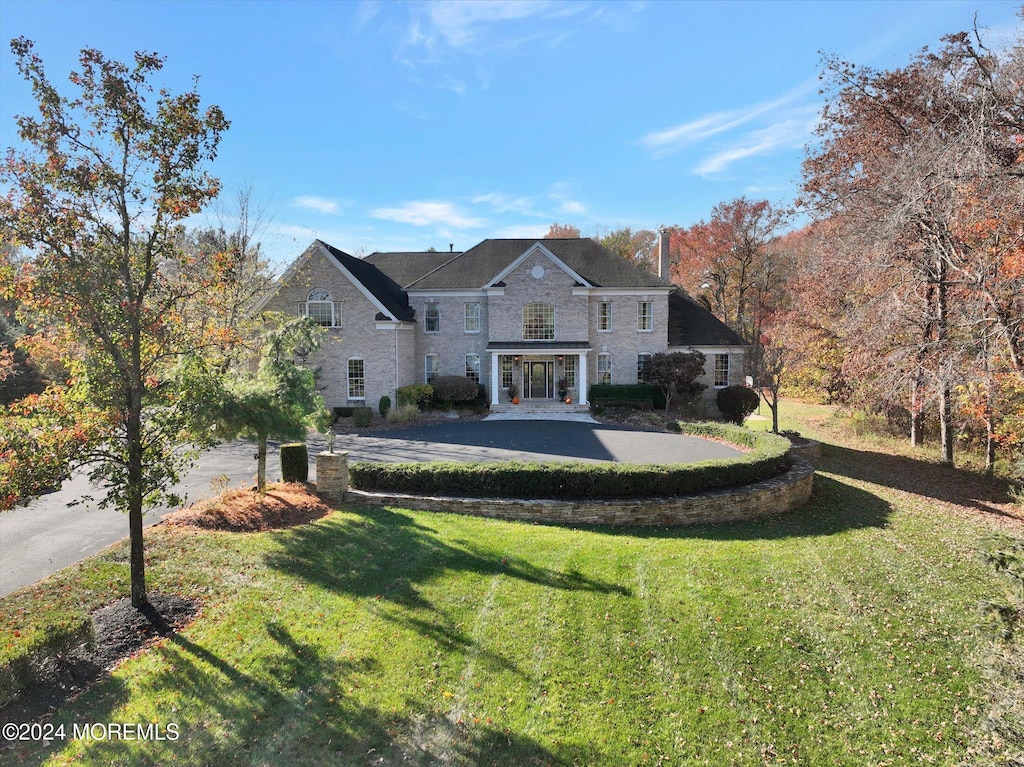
(393, 342)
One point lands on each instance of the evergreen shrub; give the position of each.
(736, 403)
(294, 462)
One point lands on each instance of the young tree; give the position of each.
(280, 399)
(636, 246)
(674, 373)
(99, 192)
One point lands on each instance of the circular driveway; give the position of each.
(529, 441)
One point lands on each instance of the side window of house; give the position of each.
(356, 379)
(604, 316)
(430, 365)
(473, 367)
(604, 368)
(473, 318)
(641, 363)
(570, 371)
(320, 308)
(538, 322)
(721, 370)
(644, 316)
(432, 319)
(506, 371)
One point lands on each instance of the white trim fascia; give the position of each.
(494, 292)
(536, 247)
(554, 350)
(394, 325)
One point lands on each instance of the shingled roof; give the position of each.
(477, 266)
(388, 292)
(406, 268)
(691, 324)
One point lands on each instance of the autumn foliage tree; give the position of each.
(98, 191)
(918, 173)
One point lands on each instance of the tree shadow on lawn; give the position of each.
(948, 484)
(292, 705)
(385, 554)
(833, 508)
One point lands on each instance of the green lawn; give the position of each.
(844, 633)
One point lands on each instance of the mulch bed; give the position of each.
(120, 631)
(243, 510)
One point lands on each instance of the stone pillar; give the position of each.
(332, 475)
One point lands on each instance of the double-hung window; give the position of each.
(432, 318)
(430, 367)
(356, 379)
(570, 371)
(604, 368)
(721, 370)
(506, 371)
(644, 316)
(473, 318)
(473, 367)
(604, 316)
(641, 363)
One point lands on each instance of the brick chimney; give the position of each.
(663, 262)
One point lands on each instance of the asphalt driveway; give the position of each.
(48, 535)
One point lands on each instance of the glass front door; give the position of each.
(538, 380)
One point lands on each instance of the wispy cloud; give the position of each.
(428, 213)
(319, 204)
(500, 202)
(791, 133)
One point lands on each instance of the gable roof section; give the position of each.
(377, 285)
(407, 268)
(482, 264)
(690, 324)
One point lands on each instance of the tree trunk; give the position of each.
(137, 555)
(916, 413)
(942, 339)
(261, 465)
(990, 442)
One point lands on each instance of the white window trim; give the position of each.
(426, 370)
(714, 370)
(554, 321)
(650, 317)
(325, 299)
(611, 316)
(477, 357)
(348, 376)
(426, 310)
(468, 317)
(639, 355)
(608, 356)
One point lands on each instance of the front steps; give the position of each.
(539, 410)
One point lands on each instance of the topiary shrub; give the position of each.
(362, 417)
(736, 403)
(294, 462)
(384, 405)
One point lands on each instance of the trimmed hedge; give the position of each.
(627, 394)
(768, 457)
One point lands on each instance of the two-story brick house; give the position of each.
(522, 315)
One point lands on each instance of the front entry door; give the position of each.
(538, 383)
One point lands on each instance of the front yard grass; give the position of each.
(841, 634)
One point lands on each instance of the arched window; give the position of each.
(473, 367)
(319, 307)
(538, 322)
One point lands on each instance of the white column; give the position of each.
(495, 377)
(582, 375)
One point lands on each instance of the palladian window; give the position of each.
(319, 307)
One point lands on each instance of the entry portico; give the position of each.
(536, 367)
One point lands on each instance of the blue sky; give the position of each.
(395, 126)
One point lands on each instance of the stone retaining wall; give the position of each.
(762, 499)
